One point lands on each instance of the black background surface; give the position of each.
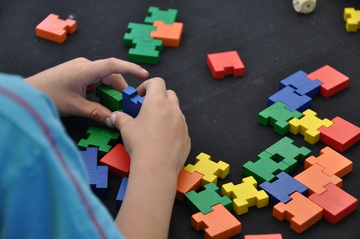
(273, 42)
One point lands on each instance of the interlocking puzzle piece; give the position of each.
(219, 223)
(352, 19)
(302, 84)
(341, 135)
(336, 203)
(265, 168)
(301, 212)
(109, 97)
(263, 236)
(122, 190)
(284, 150)
(90, 157)
(208, 168)
(291, 99)
(154, 13)
(137, 30)
(205, 199)
(170, 34)
(315, 179)
(245, 195)
(98, 180)
(332, 162)
(281, 189)
(145, 51)
(225, 63)
(132, 102)
(333, 80)
(308, 126)
(187, 182)
(55, 29)
(278, 116)
(118, 161)
(100, 138)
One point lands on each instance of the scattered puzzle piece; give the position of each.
(118, 161)
(144, 51)
(245, 195)
(278, 116)
(302, 84)
(170, 34)
(208, 168)
(218, 224)
(308, 126)
(167, 16)
(187, 182)
(90, 157)
(132, 102)
(281, 189)
(315, 179)
(137, 30)
(263, 236)
(291, 99)
(336, 203)
(205, 199)
(332, 162)
(341, 135)
(55, 29)
(225, 63)
(301, 212)
(122, 190)
(352, 19)
(333, 80)
(109, 97)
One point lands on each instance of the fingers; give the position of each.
(119, 119)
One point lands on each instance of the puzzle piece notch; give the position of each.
(333, 80)
(301, 212)
(333, 162)
(225, 63)
(187, 182)
(170, 34)
(245, 195)
(168, 16)
(208, 168)
(109, 97)
(55, 29)
(302, 84)
(291, 99)
(132, 102)
(337, 203)
(352, 19)
(281, 189)
(308, 126)
(341, 135)
(118, 161)
(205, 199)
(278, 116)
(219, 223)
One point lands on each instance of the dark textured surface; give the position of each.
(273, 42)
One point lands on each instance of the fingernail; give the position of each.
(145, 71)
(108, 122)
(113, 118)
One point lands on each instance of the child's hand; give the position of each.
(66, 84)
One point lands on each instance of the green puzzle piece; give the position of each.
(109, 97)
(137, 30)
(155, 14)
(145, 51)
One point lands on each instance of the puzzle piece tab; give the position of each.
(132, 102)
(170, 34)
(245, 195)
(302, 84)
(352, 19)
(118, 161)
(308, 126)
(55, 29)
(155, 14)
(225, 63)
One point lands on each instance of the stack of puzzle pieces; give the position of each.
(146, 40)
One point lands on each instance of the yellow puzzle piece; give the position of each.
(352, 19)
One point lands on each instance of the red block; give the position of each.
(225, 63)
(264, 236)
(341, 135)
(187, 182)
(218, 224)
(333, 80)
(118, 161)
(336, 203)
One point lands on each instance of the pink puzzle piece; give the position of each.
(225, 63)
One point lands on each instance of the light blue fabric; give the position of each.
(44, 192)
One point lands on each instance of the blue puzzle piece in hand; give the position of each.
(132, 102)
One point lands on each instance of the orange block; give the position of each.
(170, 34)
(54, 29)
(333, 162)
(301, 212)
(118, 161)
(219, 223)
(187, 182)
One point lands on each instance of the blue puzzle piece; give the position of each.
(89, 157)
(281, 189)
(98, 180)
(293, 100)
(302, 84)
(132, 102)
(121, 193)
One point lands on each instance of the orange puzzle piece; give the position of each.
(118, 161)
(170, 34)
(219, 223)
(54, 29)
(301, 212)
(187, 182)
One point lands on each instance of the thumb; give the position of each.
(119, 119)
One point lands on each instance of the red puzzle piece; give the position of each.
(55, 29)
(333, 80)
(225, 63)
(336, 203)
(219, 223)
(301, 212)
(187, 182)
(118, 161)
(341, 135)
